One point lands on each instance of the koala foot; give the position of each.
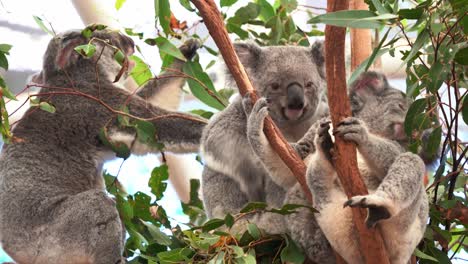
(352, 129)
(189, 48)
(378, 207)
(324, 140)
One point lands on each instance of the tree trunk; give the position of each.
(361, 40)
(214, 22)
(345, 161)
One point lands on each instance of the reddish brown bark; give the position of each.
(361, 40)
(345, 162)
(214, 22)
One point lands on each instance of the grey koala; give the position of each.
(292, 80)
(53, 204)
(397, 203)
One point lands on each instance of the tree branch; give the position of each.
(345, 160)
(214, 22)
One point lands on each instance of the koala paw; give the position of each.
(324, 141)
(255, 122)
(352, 129)
(378, 207)
(189, 48)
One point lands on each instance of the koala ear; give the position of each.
(248, 53)
(67, 54)
(368, 84)
(317, 51)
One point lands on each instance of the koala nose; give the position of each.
(295, 96)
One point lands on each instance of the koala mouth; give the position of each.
(293, 114)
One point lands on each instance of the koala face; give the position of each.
(382, 107)
(291, 78)
(60, 52)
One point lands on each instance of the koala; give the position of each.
(397, 202)
(292, 80)
(53, 203)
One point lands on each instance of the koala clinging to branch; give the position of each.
(292, 80)
(53, 204)
(397, 203)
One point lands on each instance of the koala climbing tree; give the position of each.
(53, 204)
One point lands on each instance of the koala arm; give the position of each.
(378, 152)
(166, 90)
(277, 169)
(179, 132)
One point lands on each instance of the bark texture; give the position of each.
(345, 160)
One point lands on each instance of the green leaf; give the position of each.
(162, 10)
(291, 208)
(416, 108)
(234, 28)
(254, 231)
(353, 19)
(166, 47)
(157, 181)
(119, 3)
(244, 14)
(3, 61)
(121, 150)
(229, 220)
(141, 72)
(253, 206)
(379, 7)
(40, 23)
(227, 2)
(464, 110)
(142, 205)
(376, 50)
(433, 143)
(361, 68)
(462, 56)
(47, 107)
(86, 50)
(194, 69)
(146, 132)
(289, 5)
(4, 91)
(266, 10)
(178, 255)
(423, 255)
(186, 4)
(157, 234)
(5, 48)
(415, 13)
(212, 224)
(291, 253)
(422, 38)
(125, 208)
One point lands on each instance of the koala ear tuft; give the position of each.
(369, 83)
(67, 54)
(317, 51)
(248, 53)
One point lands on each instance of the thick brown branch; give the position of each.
(345, 161)
(214, 22)
(361, 41)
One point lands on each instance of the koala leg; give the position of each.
(304, 230)
(85, 228)
(221, 194)
(398, 190)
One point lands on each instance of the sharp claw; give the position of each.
(347, 203)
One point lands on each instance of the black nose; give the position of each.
(295, 96)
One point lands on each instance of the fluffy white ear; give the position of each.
(67, 54)
(317, 51)
(248, 53)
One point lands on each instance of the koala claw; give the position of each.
(351, 129)
(189, 48)
(376, 206)
(324, 139)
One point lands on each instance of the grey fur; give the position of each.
(397, 202)
(53, 206)
(234, 174)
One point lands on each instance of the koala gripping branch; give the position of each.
(214, 22)
(345, 161)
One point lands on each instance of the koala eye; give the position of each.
(275, 86)
(309, 84)
(401, 106)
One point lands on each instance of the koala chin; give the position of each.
(292, 81)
